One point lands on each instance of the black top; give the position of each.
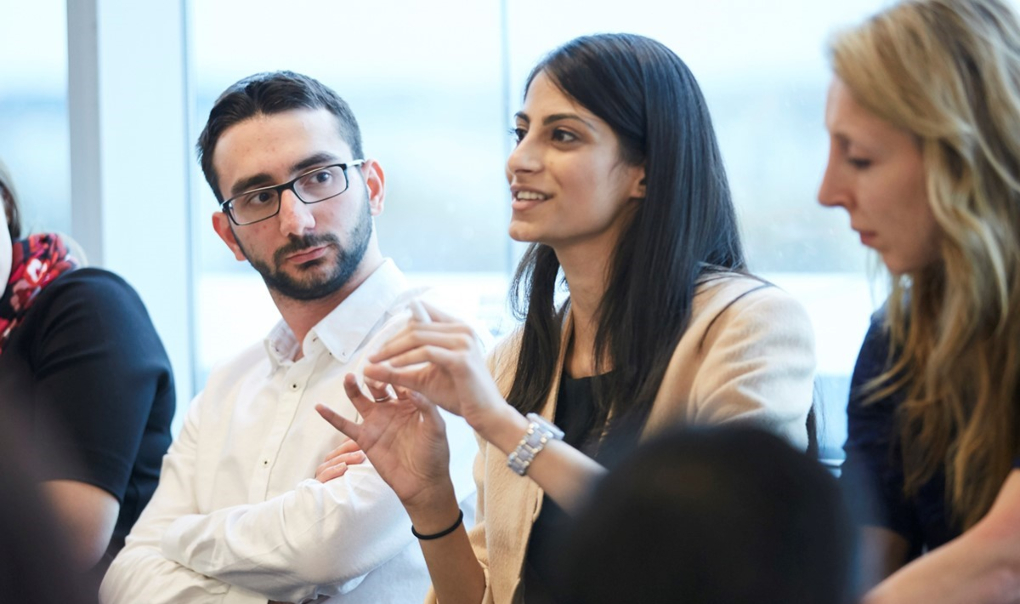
(575, 415)
(873, 471)
(87, 372)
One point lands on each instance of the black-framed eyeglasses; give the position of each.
(313, 186)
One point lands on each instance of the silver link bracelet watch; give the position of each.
(540, 432)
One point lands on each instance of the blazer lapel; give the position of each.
(521, 497)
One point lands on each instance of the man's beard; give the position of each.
(314, 288)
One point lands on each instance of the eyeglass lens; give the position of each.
(311, 188)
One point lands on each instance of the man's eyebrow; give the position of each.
(264, 179)
(261, 179)
(313, 161)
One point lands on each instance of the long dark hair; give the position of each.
(684, 228)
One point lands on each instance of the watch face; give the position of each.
(544, 425)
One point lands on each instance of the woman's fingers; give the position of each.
(439, 316)
(345, 426)
(415, 376)
(410, 379)
(457, 343)
(422, 334)
(427, 408)
(436, 355)
(362, 404)
(380, 390)
(412, 357)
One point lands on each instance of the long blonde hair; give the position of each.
(948, 71)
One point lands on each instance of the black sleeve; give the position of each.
(99, 367)
(872, 474)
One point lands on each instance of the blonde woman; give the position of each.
(924, 119)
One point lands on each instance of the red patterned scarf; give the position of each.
(36, 261)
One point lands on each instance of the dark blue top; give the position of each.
(88, 375)
(873, 471)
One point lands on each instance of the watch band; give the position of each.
(540, 431)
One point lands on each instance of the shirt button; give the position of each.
(265, 462)
(294, 386)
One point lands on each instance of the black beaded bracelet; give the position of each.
(442, 533)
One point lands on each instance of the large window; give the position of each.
(33, 112)
(428, 93)
(763, 70)
(434, 86)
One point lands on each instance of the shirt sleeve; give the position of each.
(758, 364)
(317, 540)
(99, 366)
(872, 474)
(140, 572)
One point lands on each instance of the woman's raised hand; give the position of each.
(404, 437)
(440, 359)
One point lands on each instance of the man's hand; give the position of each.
(336, 463)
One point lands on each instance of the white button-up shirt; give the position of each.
(238, 516)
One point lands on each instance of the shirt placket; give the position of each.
(296, 378)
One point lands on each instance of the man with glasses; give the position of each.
(257, 501)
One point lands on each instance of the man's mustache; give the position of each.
(300, 243)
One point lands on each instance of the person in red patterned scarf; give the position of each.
(82, 367)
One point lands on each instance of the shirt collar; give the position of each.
(281, 345)
(344, 329)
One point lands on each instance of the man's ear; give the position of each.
(221, 224)
(375, 183)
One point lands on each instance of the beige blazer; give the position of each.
(747, 354)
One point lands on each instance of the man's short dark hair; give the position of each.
(267, 94)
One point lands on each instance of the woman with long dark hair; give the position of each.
(618, 183)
